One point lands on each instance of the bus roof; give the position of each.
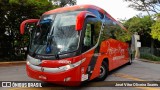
(73, 8)
(77, 7)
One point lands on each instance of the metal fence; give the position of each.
(147, 50)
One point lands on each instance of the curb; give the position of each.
(12, 63)
(145, 60)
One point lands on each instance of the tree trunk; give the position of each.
(152, 46)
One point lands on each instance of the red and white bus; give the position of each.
(75, 44)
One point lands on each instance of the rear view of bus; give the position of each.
(66, 46)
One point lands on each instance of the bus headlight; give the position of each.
(33, 60)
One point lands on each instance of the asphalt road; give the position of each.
(138, 71)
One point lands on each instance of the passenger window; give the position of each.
(97, 13)
(87, 38)
(91, 34)
(115, 31)
(110, 28)
(101, 15)
(87, 41)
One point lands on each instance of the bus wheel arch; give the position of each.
(104, 70)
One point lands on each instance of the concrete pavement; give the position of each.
(138, 71)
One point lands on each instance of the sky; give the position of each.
(118, 9)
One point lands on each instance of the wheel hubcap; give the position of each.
(102, 71)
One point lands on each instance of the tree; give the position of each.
(156, 29)
(13, 12)
(63, 3)
(139, 24)
(145, 5)
(142, 26)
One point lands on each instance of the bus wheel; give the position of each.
(103, 72)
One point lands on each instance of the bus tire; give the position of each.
(103, 72)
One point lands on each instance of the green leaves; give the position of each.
(139, 24)
(156, 30)
(63, 3)
(13, 12)
(14, 1)
(155, 33)
(122, 35)
(144, 5)
(145, 26)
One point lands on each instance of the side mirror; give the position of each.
(81, 18)
(22, 26)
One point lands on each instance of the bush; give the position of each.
(149, 57)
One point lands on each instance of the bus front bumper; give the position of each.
(70, 77)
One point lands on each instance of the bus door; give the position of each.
(90, 46)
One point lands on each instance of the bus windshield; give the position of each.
(55, 34)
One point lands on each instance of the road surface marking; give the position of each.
(122, 75)
(43, 88)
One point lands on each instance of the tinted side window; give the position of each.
(101, 15)
(91, 34)
(113, 30)
(87, 38)
(97, 13)
(108, 31)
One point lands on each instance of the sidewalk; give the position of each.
(12, 63)
(145, 60)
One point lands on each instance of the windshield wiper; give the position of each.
(48, 46)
